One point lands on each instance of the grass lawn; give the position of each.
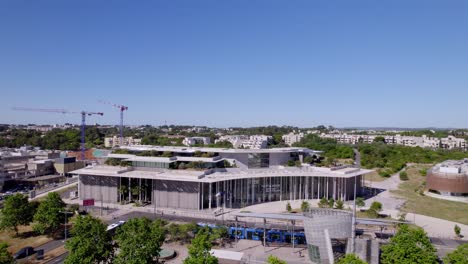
(424, 205)
(374, 177)
(24, 239)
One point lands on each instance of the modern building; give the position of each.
(112, 142)
(449, 178)
(64, 166)
(190, 141)
(206, 178)
(246, 142)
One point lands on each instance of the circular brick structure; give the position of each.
(449, 178)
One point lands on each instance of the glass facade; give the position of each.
(163, 165)
(259, 160)
(244, 192)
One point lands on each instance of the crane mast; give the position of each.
(63, 111)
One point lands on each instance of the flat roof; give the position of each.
(219, 150)
(215, 175)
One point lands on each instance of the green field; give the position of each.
(424, 205)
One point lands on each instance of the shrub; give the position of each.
(423, 172)
(305, 206)
(404, 176)
(288, 207)
(457, 230)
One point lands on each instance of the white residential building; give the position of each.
(292, 138)
(247, 142)
(449, 142)
(111, 142)
(190, 141)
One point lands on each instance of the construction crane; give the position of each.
(63, 111)
(122, 108)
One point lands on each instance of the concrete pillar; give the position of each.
(306, 188)
(209, 197)
(202, 196)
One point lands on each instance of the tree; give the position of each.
(457, 230)
(360, 202)
(90, 242)
(16, 211)
(339, 205)
(379, 139)
(458, 256)
(275, 260)
(199, 250)
(350, 259)
(323, 202)
(409, 245)
(140, 241)
(305, 206)
(5, 256)
(48, 217)
(288, 207)
(375, 209)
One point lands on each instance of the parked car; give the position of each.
(24, 252)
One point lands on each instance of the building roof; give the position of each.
(219, 150)
(216, 175)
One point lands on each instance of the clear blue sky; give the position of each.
(237, 63)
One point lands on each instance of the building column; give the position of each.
(281, 188)
(335, 197)
(209, 197)
(202, 196)
(306, 188)
(318, 188)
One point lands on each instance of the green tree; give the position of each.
(199, 250)
(339, 205)
(90, 242)
(305, 206)
(350, 259)
(360, 202)
(408, 246)
(275, 260)
(458, 256)
(379, 139)
(375, 209)
(16, 211)
(140, 241)
(48, 217)
(288, 207)
(5, 256)
(323, 202)
(457, 230)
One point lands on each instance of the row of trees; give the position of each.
(395, 157)
(56, 139)
(138, 241)
(412, 245)
(332, 150)
(46, 215)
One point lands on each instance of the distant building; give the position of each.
(449, 142)
(449, 178)
(292, 138)
(65, 165)
(246, 142)
(190, 141)
(111, 142)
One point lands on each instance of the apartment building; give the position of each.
(190, 141)
(292, 138)
(111, 142)
(246, 142)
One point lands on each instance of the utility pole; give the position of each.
(65, 226)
